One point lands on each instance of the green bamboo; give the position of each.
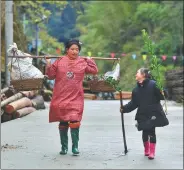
(154, 65)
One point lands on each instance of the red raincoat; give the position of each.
(67, 102)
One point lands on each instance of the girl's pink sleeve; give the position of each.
(91, 67)
(51, 70)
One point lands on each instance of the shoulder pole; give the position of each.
(123, 127)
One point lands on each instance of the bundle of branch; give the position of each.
(174, 84)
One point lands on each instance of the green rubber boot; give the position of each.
(75, 140)
(64, 140)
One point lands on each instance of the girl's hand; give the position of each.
(121, 109)
(136, 125)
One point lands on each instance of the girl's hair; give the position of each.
(71, 42)
(146, 72)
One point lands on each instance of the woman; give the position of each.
(68, 97)
(146, 97)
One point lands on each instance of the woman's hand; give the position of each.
(87, 58)
(48, 61)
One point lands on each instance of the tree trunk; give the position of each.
(25, 111)
(90, 96)
(6, 117)
(38, 102)
(3, 97)
(2, 111)
(17, 96)
(19, 104)
(4, 90)
(125, 95)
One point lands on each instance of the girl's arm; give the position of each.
(132, 105)
(159, 94)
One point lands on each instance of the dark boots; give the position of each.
(75, 140)
(64, 140)
(63, 130)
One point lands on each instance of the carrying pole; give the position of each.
(123, 127)
(47, 57)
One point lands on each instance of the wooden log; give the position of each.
(125, 95)
(15, 115)
(17, 96)
(38, 102)
(175, 83)
(11, 99)
(4, 90)
(2, 112)
(29, 94)
(10, 92)
(3, 97)
(19, 104)
(6, 117)
(25, 111)
(90, 96)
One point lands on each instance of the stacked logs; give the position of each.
(174, 84)
(125, 95)
(18, 104)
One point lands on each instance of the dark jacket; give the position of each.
(146, 97)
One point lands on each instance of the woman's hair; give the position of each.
(146, 72)
(71, 42)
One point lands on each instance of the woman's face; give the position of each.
(139, 76)
(73, 51)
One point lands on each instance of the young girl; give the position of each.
(67, 102)
(146, 97)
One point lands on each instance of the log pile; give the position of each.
(18, 104)
(125, 95)
(174, 84)
(90, 96)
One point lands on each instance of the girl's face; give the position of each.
(139, 76)
(73, 51)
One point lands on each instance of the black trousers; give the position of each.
(66, 123)
(149, 135)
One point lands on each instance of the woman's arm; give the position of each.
(51, 69)
(91, 67)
